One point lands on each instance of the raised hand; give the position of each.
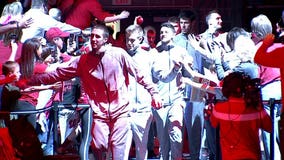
(268, 39)
(25, 23)
(124, 14)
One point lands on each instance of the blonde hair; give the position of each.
(261, 26)
(12, 12)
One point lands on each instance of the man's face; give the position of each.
(215, 21)
(97, 39)
(151, 37)
(166, 34)
(133, 41)
(184, 25)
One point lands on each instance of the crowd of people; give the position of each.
(211, 88)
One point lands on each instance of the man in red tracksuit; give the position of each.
(104, 74)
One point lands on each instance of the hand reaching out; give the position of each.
(193, 41)
(57, 86)
(124, 14)
(25, 23)
(115, 18)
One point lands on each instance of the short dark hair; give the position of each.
(173, 19)
(187, 14)
(8, 67)
(134, 28)
(209, 14)
(168, 25)
(102, 27)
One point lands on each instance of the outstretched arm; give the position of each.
(270, 59)
(8, 79)
(23, 23)
(196, 45)
(122, 15)
(55, 86)
(202, 86)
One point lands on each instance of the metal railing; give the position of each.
(54, 108)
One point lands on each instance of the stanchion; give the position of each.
(281, 134)
(86, 117)
(272, 135)
(55, 111)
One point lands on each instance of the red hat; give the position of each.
(55, 32)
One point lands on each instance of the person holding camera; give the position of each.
(240, 117)
(56, 36)
(72, 88)
(10, 46)
(11, 24)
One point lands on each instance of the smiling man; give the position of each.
(104, 74)
(167, 74)
(141, 115)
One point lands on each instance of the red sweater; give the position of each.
(271, 58)
(84, 12)
(239, 129)
(269, 74)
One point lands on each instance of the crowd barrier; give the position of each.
(54, 110)
(84, 151)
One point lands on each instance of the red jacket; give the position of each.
(83, 12)
(105, 80)
(239, 128)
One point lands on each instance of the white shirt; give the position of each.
(41, 23)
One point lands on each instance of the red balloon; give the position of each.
(139, 20)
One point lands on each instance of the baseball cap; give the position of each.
(55, 32)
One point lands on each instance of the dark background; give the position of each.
(233, 12)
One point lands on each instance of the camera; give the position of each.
(72, 38)
(79, 39)
(50, 50)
